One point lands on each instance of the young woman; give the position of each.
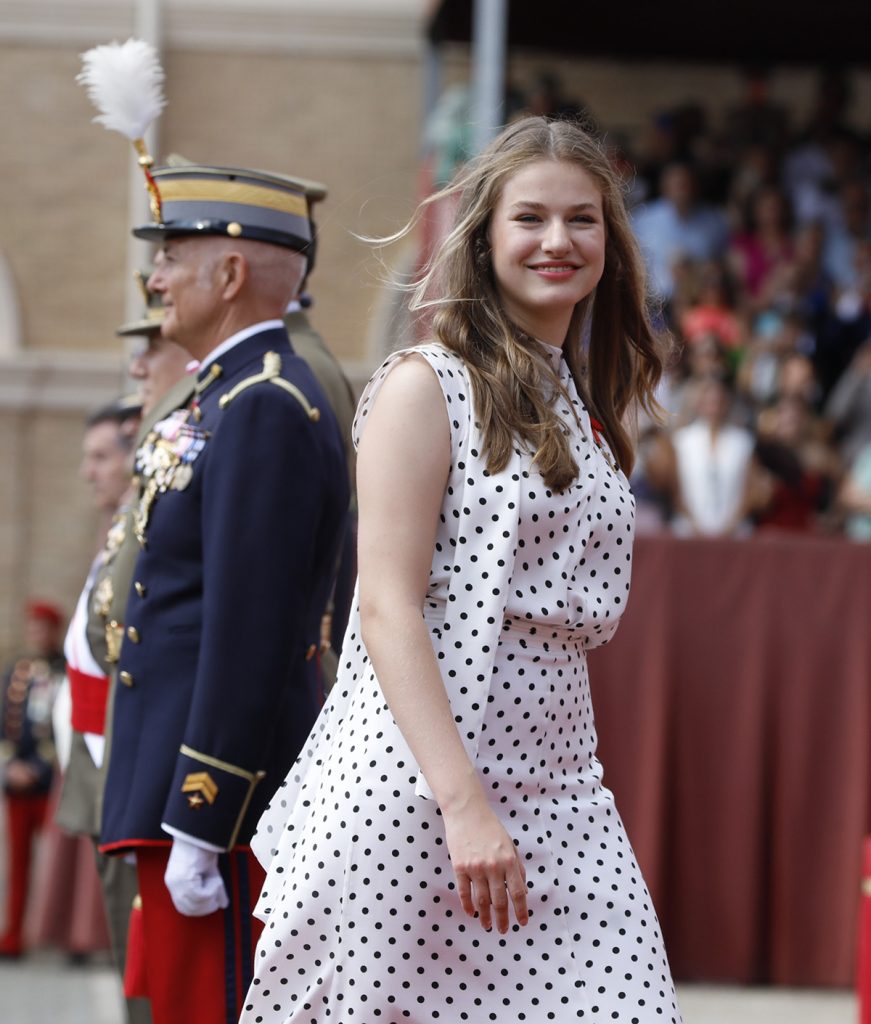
(444, 849)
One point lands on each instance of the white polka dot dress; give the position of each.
(362, 920)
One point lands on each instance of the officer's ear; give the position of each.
(232, 274)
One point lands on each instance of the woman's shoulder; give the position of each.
(438, 355)
(448, 367)
(445, 367)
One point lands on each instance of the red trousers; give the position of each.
(198, 969)
(25, 815)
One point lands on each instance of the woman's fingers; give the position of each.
(507, 891)
(482, 899)
(492, 892)
(464, 888)
(499, 901)
(490, 877)
(515, 884)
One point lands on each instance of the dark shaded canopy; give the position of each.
(744, 32)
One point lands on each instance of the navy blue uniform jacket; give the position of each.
(217, 685)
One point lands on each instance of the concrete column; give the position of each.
(432, 83)
(146, 26)
(489, 45)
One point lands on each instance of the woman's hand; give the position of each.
(490, 874)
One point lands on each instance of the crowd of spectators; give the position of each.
(757, 236)
(756, 229)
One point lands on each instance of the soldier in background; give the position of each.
(69, 911)
(310, 345)
(29, 688)
(158, 366)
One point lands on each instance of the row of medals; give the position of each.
(165, 468)
(168, 465)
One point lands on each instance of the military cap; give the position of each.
(152, 318)
(315, 191)
(230, 201)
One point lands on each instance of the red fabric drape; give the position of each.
(734, 718)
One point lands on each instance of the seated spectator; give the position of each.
(545, 98)
(713, 458)
(774, 361)
(654, 481)
(855, 497)
(657, 147)
(850, 325)
(849, 405)
(756, 120)
(801, 285)
(756, 167)
(764, 242)
(796, 471)
(634, 185)
(848, 230)
(678, 392)
(796, 377)
(812, 166)
(712, 310)
(677, 226)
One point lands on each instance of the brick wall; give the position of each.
(47, 528)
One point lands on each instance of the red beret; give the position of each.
(45, 611)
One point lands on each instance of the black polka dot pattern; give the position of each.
(363, 923)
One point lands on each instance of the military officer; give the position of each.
(158, 366)
(161, 368)
(243, 503)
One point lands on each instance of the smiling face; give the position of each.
(547, 238)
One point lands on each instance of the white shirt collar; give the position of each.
(237, 338)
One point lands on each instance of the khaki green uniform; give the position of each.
(79, 809)
(310, 346)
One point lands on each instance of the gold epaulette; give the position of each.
(270, 374)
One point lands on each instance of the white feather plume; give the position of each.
(124, 82)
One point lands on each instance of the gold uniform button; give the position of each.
(140, 588)
(133, 634)
(126, 678)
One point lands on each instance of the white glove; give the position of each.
(193, 880)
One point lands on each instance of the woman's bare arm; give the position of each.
(402, 473)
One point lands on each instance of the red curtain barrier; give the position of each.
(734, 718)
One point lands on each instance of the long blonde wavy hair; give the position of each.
(512, 380)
